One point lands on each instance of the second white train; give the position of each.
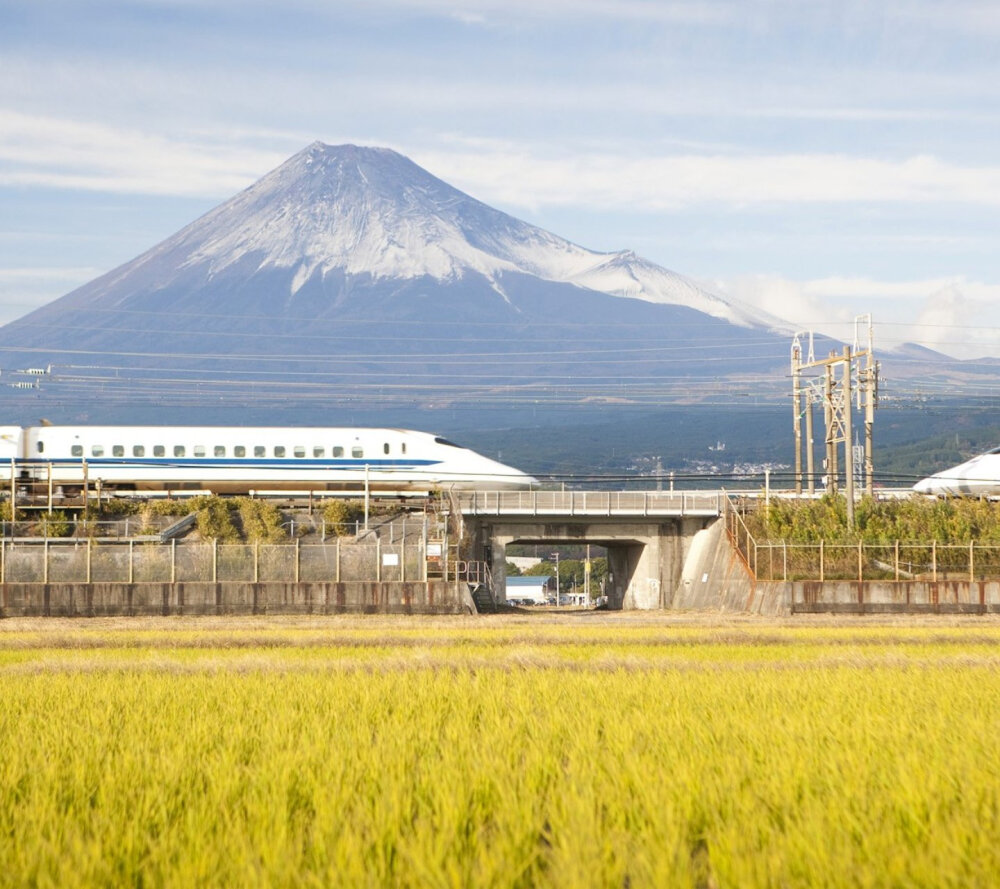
(978, 477)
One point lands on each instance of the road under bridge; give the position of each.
(657, 541)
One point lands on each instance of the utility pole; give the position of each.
(555, 556)
(797, 409)
(848, 437)
(810, 450)
(837, 381)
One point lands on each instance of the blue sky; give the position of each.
(820, 159)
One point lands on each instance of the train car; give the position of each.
(229, 459)
(978, 477)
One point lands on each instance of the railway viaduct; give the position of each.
(665, 549)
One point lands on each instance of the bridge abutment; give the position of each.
(645, 558)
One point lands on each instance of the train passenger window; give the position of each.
(357, 451)
(179, 450)
(402, 448)
(220, 451)
(76, 450)
(199, 450)
(97, 451)
(159, 451)
(299, 450)
(138, 450)
(239, 451)
(259, 451)
(279, 451)
(385, 448)
(40, 447)
(319, 452)
(118, 450)
(338, 451)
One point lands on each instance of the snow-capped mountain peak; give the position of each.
(372, 212)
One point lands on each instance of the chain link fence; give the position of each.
(91, 562)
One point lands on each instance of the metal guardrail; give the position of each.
(593, 503)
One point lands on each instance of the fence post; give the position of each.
(821, 566)
(45, 561)
(173, 560)
(297, 554)
(402, 555)
(897, 561)
(3, 561)
(784, 560)
(861, 562)
(215, 559)
(378, 560)
(972, 569)
(934, 561)
(338, 561)
(256, 561)
(131, 566)
(90, 546)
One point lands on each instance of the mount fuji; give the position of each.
(351, 274)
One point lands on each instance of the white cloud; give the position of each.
(657, 183)
(64, 153)
(58, 152)
(956, 316)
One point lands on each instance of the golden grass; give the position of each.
(576, 750)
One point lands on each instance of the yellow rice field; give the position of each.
(541, 750)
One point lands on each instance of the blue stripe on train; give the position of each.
(230, 462)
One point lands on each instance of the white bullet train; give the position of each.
(230, 459)
(978, 477)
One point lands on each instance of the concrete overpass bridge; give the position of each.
(655, 539)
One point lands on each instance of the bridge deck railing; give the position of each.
(593, 503)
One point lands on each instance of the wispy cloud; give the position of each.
(956, 315)
(56, 152)
(62, 153)
(674, 181)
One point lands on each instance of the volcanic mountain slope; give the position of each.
(359, 257)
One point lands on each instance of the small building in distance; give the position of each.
(531, 590)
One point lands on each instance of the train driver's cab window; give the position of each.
(259, 451)
(159, 451)
(338, 451)
(220, 451)
(299, 450)
(279, 451)
(138, 450)
(97, 451)
(357, 451)
(319, 452)
(198, 450)
(239, 451)
(385, 448)
(118, 450)
(76, 450)
(179, 450)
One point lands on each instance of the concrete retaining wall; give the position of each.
(715, 579)
(113, 599)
